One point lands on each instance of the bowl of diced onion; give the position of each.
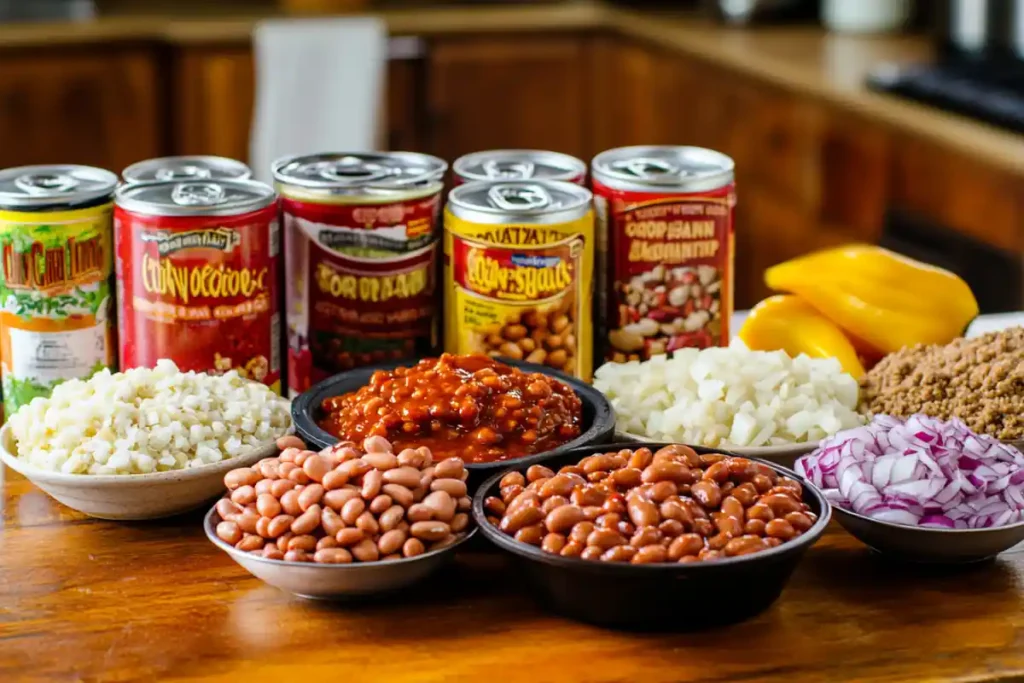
(921, 489)
(753, 403)
(143, 444)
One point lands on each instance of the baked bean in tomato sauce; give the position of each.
(467, 405)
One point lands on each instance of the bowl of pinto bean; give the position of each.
(490, 413)
(347, 522)
(653, 537)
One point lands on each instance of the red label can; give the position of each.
(666, 216)
(361, 236)
(198, 268)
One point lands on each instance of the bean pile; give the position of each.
(538, 336)
(642, 507)
(342, 505)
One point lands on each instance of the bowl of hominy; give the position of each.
(143, 444)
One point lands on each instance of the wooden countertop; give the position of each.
(804, 60)
(83, 600)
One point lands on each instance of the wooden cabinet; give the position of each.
(214, 92)
(521, 91)
(640, 96)
(100, 107)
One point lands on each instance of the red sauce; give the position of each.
(470, 406)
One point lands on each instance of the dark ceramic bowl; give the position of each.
(598, 416)
(656, 597)
(927, 545)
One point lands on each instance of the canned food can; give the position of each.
(186, 168)
(56, 318)
(519, 267)
(666, 215)
(518, 164)
(361, 236)
(198, 268)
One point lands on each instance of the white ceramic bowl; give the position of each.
(782, 455)
(131, 496)
(336, 581)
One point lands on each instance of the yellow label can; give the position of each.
(519, 271)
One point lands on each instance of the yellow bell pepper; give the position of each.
(793, 325)
(883, 299)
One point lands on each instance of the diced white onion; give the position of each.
(146, 420)
(731, 397)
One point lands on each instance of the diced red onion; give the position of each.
(920, 472)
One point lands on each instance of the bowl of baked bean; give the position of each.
(348, 521)
(491, 413)
(653, 537)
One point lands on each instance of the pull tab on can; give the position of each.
(353, 170)
(197, 194)
(509, 170)
(647, 167)
(46, 183)
(183, 173)
(518, 198)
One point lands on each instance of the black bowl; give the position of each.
(656, 597)
(598, 416)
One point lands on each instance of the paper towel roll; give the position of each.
(319, 87)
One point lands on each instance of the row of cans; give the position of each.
(347, 261)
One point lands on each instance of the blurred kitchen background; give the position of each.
(886, 121)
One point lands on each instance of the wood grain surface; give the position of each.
(83, 600)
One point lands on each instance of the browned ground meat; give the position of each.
(980, 381)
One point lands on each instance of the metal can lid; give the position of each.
(186, 168)
(693, 169)
(37, 187)
(358, 172)
(520, 200)
(195, 198)
(519, 164)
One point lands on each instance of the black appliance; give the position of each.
(47, 10)
(743, 12)
(979, 71)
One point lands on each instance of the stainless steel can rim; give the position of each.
(357, 173)
(195, 198)
(691, 169)
(566, 166)
(519, 201)
(180, 168)
(54, 185)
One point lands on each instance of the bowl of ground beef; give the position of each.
(980, 381)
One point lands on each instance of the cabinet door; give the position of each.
(215, 90)
(214, 94)
(498, 92)
(82, 106)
